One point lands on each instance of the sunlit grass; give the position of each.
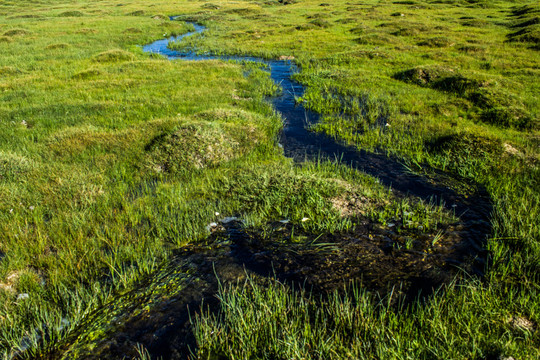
(110, 158)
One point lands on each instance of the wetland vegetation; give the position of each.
(152, 208)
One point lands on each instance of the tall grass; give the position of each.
(271, 320)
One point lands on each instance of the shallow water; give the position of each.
(156, 314)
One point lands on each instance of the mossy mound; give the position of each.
(85, 31)
(424, 75)
(132, 30)
(509, 116)
(210, 139)
(529, 34)
(193, 145)
(9, 70)
(527, 24)
(13, 166)
(136, 13)
(320, 23)
(496, 106)
(16, 32)
(57, 46)
(73, 13)
(160, 17)
(115, 55)
(526, 10)
(436, 42)
(475, 23)
(376, 39)
(86, 74)
(26, 16)
(458, 84)
(471, 49)
(210, 6)
(461, 145)
(5, 39)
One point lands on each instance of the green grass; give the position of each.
(273, 321)
(111, 158)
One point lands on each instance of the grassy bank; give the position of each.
(111, 158)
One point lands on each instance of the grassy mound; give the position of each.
(497, 107)
(215, 138)
(57, 46)
(86, 74)
(16, 32)
(115, 55)
(73, 13)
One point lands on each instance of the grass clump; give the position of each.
(73, 13)
(436, 42)
(496, 107)
(195, 145)
(16, 32)
(57, 46)
(137, 13)
(133, 30)
(270, 320)
(527, 25)
(115, 55)
(425, 76)
(9, 70)
(14, 167)
(86, 74)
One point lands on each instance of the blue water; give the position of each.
(295, 116)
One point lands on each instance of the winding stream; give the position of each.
(164, 328)
(301, 144)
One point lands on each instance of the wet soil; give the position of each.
(157, 313)
(409, 264)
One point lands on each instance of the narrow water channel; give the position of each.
(301, 144)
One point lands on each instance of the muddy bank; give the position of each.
(157, 313)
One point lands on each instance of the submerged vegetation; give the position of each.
(114, 162)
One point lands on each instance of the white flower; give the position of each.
(305, 219)
(210, 226)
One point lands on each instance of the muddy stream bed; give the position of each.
(157, 313)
